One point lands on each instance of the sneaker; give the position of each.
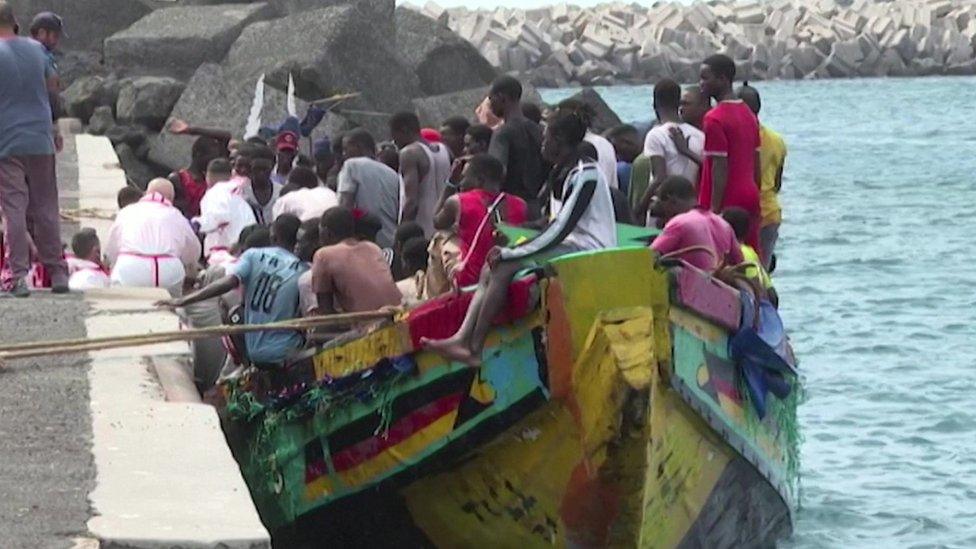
(20, 288)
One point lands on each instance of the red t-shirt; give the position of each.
(474, 206)
(193, 191)
(732, 130)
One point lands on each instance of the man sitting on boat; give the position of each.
(584, 222)
(270, 280)
(692, 233)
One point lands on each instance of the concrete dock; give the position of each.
(97, 453)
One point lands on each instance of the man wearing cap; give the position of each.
(48, 29)
(28, 87)
(286, 147)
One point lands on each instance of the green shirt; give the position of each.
(640, 179)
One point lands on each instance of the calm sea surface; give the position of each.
(877, 277)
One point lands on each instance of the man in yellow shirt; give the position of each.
(772, 157)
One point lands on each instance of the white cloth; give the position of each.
(606, 157)
(432, 185)
(223, 215)
(87, 275)
(263, 213)
(151, 244)
(306, 204)
(307, 300)
(658, 143)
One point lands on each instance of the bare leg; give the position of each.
(496, 297)
(457, 347)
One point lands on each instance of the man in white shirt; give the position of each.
(151, 244)
(223, 212)
(606, 155)
(85, 265)
(659, 145)
(309, 200)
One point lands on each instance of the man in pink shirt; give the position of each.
(692, 233)
(730, 175)
(151, 244)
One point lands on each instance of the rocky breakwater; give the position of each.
(146, 61)
(778, 39)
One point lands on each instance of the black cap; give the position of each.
(48, 20)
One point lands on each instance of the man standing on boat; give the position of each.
(772, 155)
(730, 173)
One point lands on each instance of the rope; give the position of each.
(86, 213)
(50, 348)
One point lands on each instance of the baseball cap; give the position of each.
(48, 20)
(287, 141)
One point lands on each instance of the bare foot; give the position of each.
(453, 350)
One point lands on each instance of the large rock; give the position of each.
(87, 22)
(148, 101)
(175, 41)
(442, 61)
(603, 118)
(328, 51)
(379, 12)
(89, 92)
(213, 99)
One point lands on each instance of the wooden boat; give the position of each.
(608, 412)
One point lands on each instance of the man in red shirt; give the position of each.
(730, 175)
(190, 183)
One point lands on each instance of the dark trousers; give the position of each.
(29, 189)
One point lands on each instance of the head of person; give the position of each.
(8, 21)
(414, 256)
(404, 128)
(368, 225)
(563, 136)
(667, 97)
(387, 154)
(302, 178)
(324, 158)
(505, 95)
(452, 134)
(204, 150)
(750, 96)
(85, 245)
(626, 141)
(262, 164)
(218, 170)
(578, 107)
(532, 111)
(675, 196)
(483, 171)
(337, 224)
(694, 105)
(405, 232)
(358, 143)
(163, 187)
(242, 166)
(477, 139)
(716, 76)
(284, 231)
(252, 236)
(128, 195)
(308, 240)
(47, 28)
(738, 219)
(286, 149)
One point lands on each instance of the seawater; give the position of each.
(877, 277)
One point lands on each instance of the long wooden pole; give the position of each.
(49, 348)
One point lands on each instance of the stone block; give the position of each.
(87, 93)
(806, 58)
(442, 61)
(89, 22)
(749, 13)
(175, 41)
(604, 117)
(148, 100)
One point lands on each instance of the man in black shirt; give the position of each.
(517, 143)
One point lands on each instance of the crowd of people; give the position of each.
(254, 228)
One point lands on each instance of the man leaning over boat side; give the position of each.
(270, 280)
(585, 222)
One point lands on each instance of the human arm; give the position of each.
(499, 146)
(681, 142)
(210, 291)
(659, 172)
(720, 178)
(779, 176)
(111, 247)
(190, 250)
(757, 170)
(180, 127)
(717, 148)
(347, 184)
(322, 283)
(573, 209)
(410, 172)
(447, 216)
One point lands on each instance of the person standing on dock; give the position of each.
(517, 143)
(28, 139)
(730, 171)
(772, 156)
(425, 167)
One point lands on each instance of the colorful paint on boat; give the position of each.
(608, 412)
